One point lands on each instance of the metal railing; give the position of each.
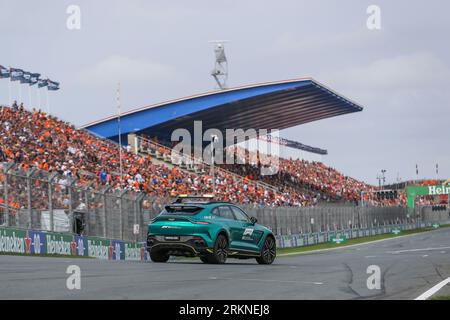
(41, 200)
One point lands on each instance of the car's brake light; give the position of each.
(200, 222)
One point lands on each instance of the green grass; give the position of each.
(440, 298)
(330, 245)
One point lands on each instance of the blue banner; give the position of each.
(26, 77)
(118, 250)
(38, 242)
(34, 78)
(16, 74)
(4, 72)
(42, 83)
(81, 246)
(52, 85)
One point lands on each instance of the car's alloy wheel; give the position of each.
(268, 252)
(159, 256)
(220, 253)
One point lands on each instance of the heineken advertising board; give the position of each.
(413, 191)
(12, 241)
(32, 242)
(99, 248)
(60, 244)
(134, 251)
(339, 238)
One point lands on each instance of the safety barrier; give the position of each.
(33, 242)
(300, 240)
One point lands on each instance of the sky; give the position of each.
(160, 50)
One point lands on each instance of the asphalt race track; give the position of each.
(409, 266)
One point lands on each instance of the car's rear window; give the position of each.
(182, 210)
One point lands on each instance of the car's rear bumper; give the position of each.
(183, 246)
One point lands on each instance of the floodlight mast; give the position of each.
(220, 71)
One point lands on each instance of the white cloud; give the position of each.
(116, 68)
(415, 71)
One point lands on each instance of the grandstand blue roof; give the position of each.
(272, 105)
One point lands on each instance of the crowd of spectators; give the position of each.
(308, 177)
(34, 139)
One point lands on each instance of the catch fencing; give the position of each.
(39, 200)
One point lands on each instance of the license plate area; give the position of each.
(171, 238)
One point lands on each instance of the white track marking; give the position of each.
(424, 256)
(429, 293)
(370, 256)
(415, 250)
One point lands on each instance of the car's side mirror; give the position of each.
(253, 220)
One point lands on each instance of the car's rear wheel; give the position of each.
(159, 256)
(220, 251)
(268, 252)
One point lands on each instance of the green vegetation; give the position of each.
(330, 245)
(440, 298)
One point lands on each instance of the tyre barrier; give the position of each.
(33, 242)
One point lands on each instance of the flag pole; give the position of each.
(20, 92)
(48, 101)
(29, 96)
(39, 96)
(119, 131)
(9, 93)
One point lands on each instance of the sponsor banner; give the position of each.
(99, 248)
(118, 250)
(305, 239)
(321, 237)
(60, 244)
(81, 246)
(287, 241)
(36, 242)
(145, 255)
(134, 251)
(12, 241)
(278, 242)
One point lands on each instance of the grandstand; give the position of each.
(34, 140)
(279, 105)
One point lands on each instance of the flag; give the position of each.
(437, 169)
(26, 77)
(417, 169)
(4, 72)
(16, 74)
(34, 78)
(42, 83)
(52, 85)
